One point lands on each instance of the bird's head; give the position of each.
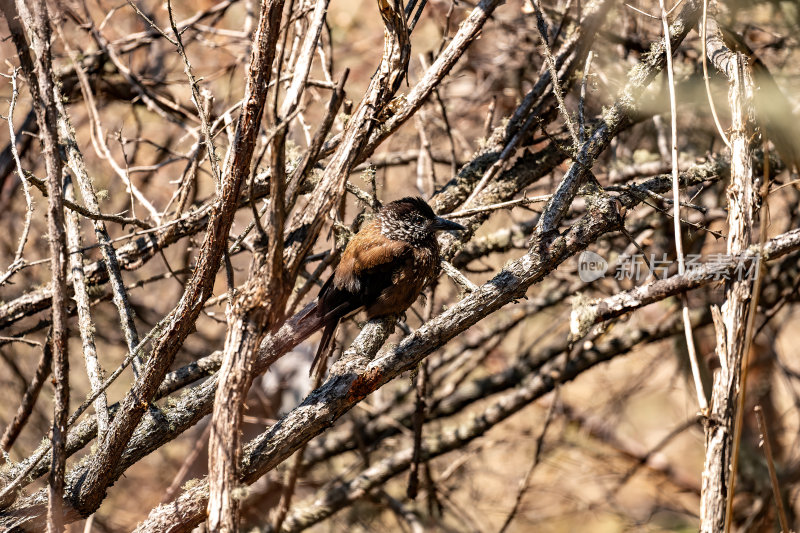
(412, 220)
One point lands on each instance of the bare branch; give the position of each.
(718, 473)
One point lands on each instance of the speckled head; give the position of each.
(412, 220)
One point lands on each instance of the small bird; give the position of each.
(383, 268)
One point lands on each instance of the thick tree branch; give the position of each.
(720, 462)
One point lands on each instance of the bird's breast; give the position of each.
(408, 279)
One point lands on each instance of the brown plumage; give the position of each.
(384, 267)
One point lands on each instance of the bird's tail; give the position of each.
(320, 359)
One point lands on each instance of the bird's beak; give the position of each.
(442, 224)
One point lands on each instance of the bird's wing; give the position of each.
(370, 261)
(364, 271)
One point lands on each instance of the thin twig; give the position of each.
(425, 168)
(420, 408)
(581, 102)
(93, 214)
(551, 65)
(487, 123)
(527, 200)
(447, 127)
(188, 462)
(208, 139)
(293, 472)
(525, 481)
(28, 401)
(18, 261)
(96, 129)
(704, 59)
(460, 279)
(86, 325)
(773, 477)
(676, 192)
(77, 164)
